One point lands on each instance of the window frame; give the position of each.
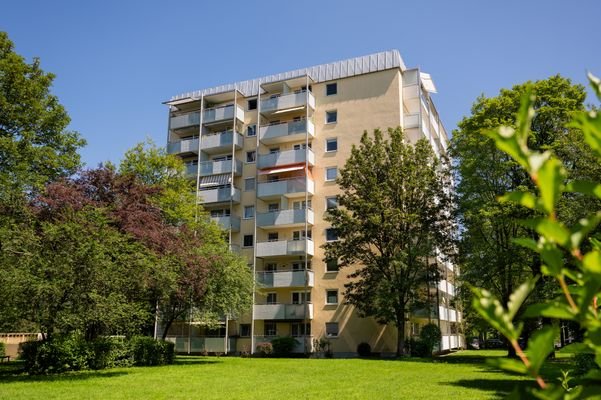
(254, 185)
(246, 208)
(251, 155)
(330, 140)
(256, 103)
(252, 238)
(332, 231)
(329, 113)
(253, 130)
(328, 264)
(328, 292)
(246, 326)
(329, 86)
(272, 295)
(329, 199)
(270, 324)
(329, 169)
(333, 323)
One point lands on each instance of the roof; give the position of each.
(319, 73)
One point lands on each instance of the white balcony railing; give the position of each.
(285, 248)
(221, 141)
(287, 101)
(283, 279)
(287, 157)
(411, 121)
(183, 146)
(283, 311)
(285, 218)
(219, 195)
(228, 221)
(286, 131)
(285, 187)
(220, 167)
(224, 113)
(185, 120)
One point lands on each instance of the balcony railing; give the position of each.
(217, 114)
(220, 167)
(221, 141)
(183, 146)
(228, 221)
(285, 248)
(185, 121)
(285, 187)
(411, 121)
(219, 195)
(283, 218)
(287, 101)
(286, 158)
(282, 279)
(283, 311)
(286, 131)
(183, 344)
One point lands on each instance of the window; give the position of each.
(332, 329)
(298, 235)
(331, 234)
(331, 145)
(331, 202)
(332, 296)
(249, 184)
(274, 150)
(301, 146)
(273, 207)
(249, 211)
(252, 104)
(301, 297)
(331, 117)
(270, 267)
(332, 266)
(248, 241)
(331, 89)
(331, 174)
(300, 205)
(251, 156)
(251, 130)
(245, 330)
(270, 328)
(222, 158)
(272, 298)
(220, 213)
(272, 237)
(300, 329)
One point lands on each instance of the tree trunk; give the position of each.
(167, 326)
(400, 344)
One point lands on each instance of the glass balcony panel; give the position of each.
(283, 311)
(284, 218)
(219, 195)
(287, 101)
(183, 146)
(285, 248)
(185, 121)
(227, 222)
(282, 279)
(286, 158)
(286, 131)
(285, 187)
(220, 167)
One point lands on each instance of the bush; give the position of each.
(110, 352)
(283, 346)
(430, 337)
(2, 349)
(264, 349)
(584, 362)
(418, 348)
(148, 351)
(364, 349)
(70, 353)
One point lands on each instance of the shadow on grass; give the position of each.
(500, 388)
(19, 376)
(196, 360)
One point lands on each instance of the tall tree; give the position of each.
(489, 257)
(394, 217)
(35, 146)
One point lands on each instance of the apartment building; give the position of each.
(265, 154)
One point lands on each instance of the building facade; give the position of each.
(265, 155)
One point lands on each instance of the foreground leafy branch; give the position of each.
(575, 263)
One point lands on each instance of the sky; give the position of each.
(116, 62)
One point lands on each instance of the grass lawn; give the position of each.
(462, 375)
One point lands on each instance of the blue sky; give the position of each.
(116, 62)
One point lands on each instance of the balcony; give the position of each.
(191, 170)
(286, 131)
(411, 121)
(221, 142)
(305, 343)
(182, 147)
(220, 167)
(185, 121)
(219, 195)
(222, 114)
(227, 222)
(285, 248)
(293, 187)
(283, 311)
(183, 344)
(286, 279)
(285, 218)
(287, 102)
(287, 157)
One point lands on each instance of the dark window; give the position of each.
(332, 296)
(272, 237)
(252, 104)
(332, 144)
(332, 266)
(249, 184)
(331, 89)
(272, 298)
(331, 117)
(331, 329)
(331, 234)
(251, 156)
(248, 240)
(245, 330)
(251, 130)
(331, 202)
(300, 329)
(270, 329)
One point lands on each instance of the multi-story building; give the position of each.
(265, 155)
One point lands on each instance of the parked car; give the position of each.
(495, 344)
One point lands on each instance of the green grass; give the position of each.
(462, 375)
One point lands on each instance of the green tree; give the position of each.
(35, 147)
(488, 256)
(394, 214)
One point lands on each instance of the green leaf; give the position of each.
(585, 187)
(553, 259)
(528, 243)
(590, 124)
(517, 298)
(576, 348)
(592, 262)
(595, 84)
(550, 180)
(506, 140)
(540, 345)
(522, 198)
(552, 230)
(508, 364)
(583, 228)
(492, 311)
(550, 310)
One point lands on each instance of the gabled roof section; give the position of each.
(319, 73)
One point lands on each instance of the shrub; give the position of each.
(264, 349)
(584, 362)
(430, 337)
(364, 349)
(148, 351)
(418, 348)
(108, 352)
(2, 349)
(69, 353)
(283, 346)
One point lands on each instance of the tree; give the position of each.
(489, 257)
(35, 147)
(394, 216)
